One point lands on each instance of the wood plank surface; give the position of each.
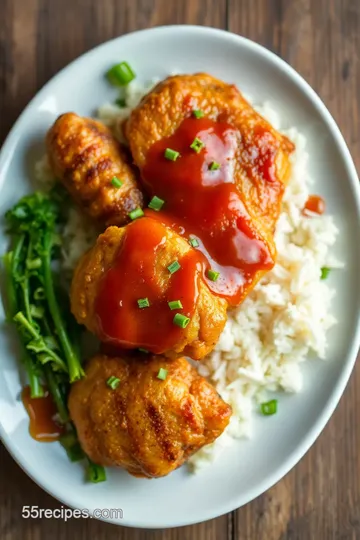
(320, 498)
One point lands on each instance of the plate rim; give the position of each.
(232, 504)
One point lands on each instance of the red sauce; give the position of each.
(206, 204)
(41, 413)
(315, 204)
(134, 276)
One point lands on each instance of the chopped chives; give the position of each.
(269, 408)
(198, 114)
(137, 213)
(95, 473)
(214, 166)
(120, 74)
(175, 304)
(156, 203)
(140, 349)
(36, 311)
(194, 242)
(173, 267)
(143, 303)
(113, 382)
(162, 374)
(39, 293)
(171, 154)
(325, 271)
(212, 275)
(121, 102)
(180, 320)
(197, 145)
(116, 182)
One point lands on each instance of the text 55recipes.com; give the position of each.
(35, 512)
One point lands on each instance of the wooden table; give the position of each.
(320, 498)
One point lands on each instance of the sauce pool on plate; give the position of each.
(41, 413)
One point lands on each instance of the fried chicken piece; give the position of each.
(161, 112)
(146, 425)
(85, 157)
(113, 275)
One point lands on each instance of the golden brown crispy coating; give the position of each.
(207, 322)
(146, 425)
(161, 112)
(85, 156)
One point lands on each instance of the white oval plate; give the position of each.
(247, 468)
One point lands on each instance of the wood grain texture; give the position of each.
(320, 498)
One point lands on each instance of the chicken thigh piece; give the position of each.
(142, 286)
(94, 168)
(261, 161)
(159, 414)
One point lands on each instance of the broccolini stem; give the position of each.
(57, 394)
(75, 369)
(36, 389)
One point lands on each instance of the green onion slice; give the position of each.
(140, 349)
(174, 267)
(212, 275)
(194, 242)
(269, 408)
(162, 374)
(198, 114)
(113, 382)
(197, 145)
(175, 304)
(156, 203)
(214, 166)
(96, 473)
(137, 213)
(116, 182)
(325, 271)
(120, 74)
(180, 320)
(143, 303)
(171, 154)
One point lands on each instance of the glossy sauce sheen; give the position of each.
(315, 204)
(41, 413)
(206, 204)
(133, 276)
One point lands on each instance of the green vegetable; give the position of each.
(162, 374)
(113, 382)
(174, 267)
(198, 114)
(95, 473)
(143, 303)
(180, 320)
(269, 408)
(116, 182)
(197, 145)
(170, 154)
(137, 213)
(120, 74)
(175, 304)
(194, 242)
(143, 350)
(50, 353)
(325, 271)
(214, 166)
(156, 203)
(212, 275)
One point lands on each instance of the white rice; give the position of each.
(282, 321)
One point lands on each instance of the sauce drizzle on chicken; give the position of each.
(202, 201)
(134, 276)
